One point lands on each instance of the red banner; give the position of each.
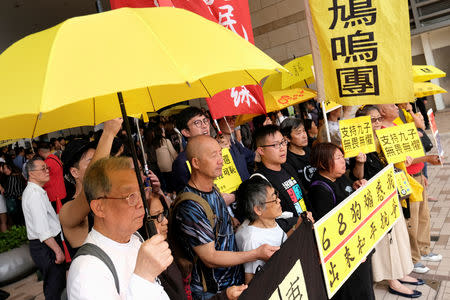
(234, 15)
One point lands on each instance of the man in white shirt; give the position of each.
(43, 229)
(112, 191)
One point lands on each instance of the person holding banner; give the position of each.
(392, 258)
(329, 187)
(419, 221)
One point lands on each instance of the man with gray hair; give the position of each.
(113, 194)
(43, 229)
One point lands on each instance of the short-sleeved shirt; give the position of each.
(194, 229)
(250, 237)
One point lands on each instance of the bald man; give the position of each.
(215, 246)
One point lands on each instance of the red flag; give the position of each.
(234, 15)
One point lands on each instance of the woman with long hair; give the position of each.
(165, 155)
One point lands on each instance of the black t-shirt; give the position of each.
(320, 197)
(372, 166)
(289, 187)
(302, 165)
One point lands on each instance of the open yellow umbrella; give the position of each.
(68, 75)
(423, 89)
(425, 73)
(300, 75)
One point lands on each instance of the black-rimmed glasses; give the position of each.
(277, 145)
(160, 217)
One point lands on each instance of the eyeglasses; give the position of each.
(160, 217)
(276, 196)
(199, 123)
(43, 169)
(277, 145)
(132, 199)
(379, 119)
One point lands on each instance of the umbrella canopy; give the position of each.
(67, 76)
(425, 73)
(423, 89)
(300, 75)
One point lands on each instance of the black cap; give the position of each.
(73, 152)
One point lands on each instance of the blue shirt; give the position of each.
(194, 229)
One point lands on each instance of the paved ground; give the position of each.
(438, 279)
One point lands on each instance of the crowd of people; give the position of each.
(81, 203)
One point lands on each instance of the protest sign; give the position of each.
(230, 179)
(357, 136)
(277, 100)
(403, 186)
(361, 50)
(293, 272)
(400, 141)
(330, 106)
(437, 137)
(353, 228)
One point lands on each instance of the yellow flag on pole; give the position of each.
(362, 51)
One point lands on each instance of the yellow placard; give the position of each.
(300, 70)
(230, 180)
(293, 285)
(353, 228)
(357, 136)
(403, 186)
(361, 50)
(400, 141)
(330, 105)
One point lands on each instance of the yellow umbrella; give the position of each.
(425, 73)
(173, 110)
(277, 100)
(7, 142)
(67, 76)
(300, 75)
(423, 89)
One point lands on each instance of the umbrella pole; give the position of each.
(136, 120)
(150, 228)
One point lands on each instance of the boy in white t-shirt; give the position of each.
(260, 205)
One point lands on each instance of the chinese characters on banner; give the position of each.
(362, 50)
(400, 141)
(230, 180)
(437, 137)
(278, 100)
(353, 228)
(293, 285)
(357, 136)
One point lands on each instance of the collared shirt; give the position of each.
(40, 217)
(90, 278)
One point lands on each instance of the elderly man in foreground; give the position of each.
(113, 194)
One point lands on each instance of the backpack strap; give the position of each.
(94, 250)
(139, 236)
(401, 114)
(325, 185)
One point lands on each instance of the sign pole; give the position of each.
(326, 121)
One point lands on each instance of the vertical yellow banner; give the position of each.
(364, 48)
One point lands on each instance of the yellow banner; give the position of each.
(330, 105)
(357, 136)
(423, 89)
(362, 50)
(353, 228)
(278, 100)
(293, 285)
(403, 186)
(400, 141)
(300, 70)
(230, 180)
(7, 142)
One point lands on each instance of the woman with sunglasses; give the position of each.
(392, 258)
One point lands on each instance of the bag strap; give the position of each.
(94, 250)
(325, 185)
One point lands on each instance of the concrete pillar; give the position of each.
(429, 58)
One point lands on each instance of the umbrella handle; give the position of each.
(148, 223)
